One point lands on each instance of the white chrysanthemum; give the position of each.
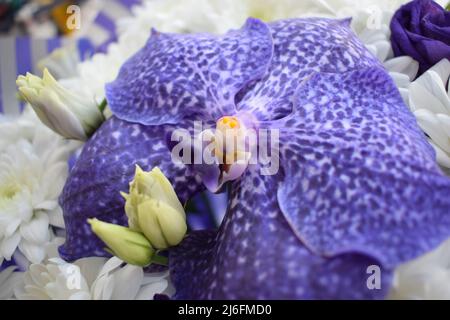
(9, 279)
(429, 99)
(425, 278)
(92, 278)
(33, 169)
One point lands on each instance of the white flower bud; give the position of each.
(68, 114)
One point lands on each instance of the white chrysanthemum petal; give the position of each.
(34, 252)
(90, 267)
(127, 282)
(422, 98)
(36, 231)
(426, 277)
(102, 288)
(401, 80)
(8, 281)
(149, 290)
(430, 84)
(110, 266)
(383, 49)
(9, 245)
(442, 69)
(441, 156)
(403, 64)
(81, 295)
(54, 180)
(431, 125)
(154, 277)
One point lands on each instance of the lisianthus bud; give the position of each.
(153, 208)
(68, 114)
(130, 246)
(163, 225)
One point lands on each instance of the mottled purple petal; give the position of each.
(179, 75)
(255, 255)
(302, 47)
(105, 167)
(359, 174)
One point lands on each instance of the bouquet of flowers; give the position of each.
(235, 149)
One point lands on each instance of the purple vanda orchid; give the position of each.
(357, 185)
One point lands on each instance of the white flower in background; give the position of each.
(9, 279)
(429, 100)
(33, 170)
(72, 115)
(403, 70)
(425, 278)
(62, 62)
(90, 279)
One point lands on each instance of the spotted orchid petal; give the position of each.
(104, 168)
(175, 76)
(301, 48)
(358, 173)
(255, 255)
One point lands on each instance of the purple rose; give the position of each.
(421, 30)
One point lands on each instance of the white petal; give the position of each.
(46, 205)
(34, 252)
(405, 96)
(128, 280)
(148, 291)
(56, 217)
(431, 125)
(102, 288)
(431, 82)
(36, 231)
(405, 65)
(422, 98)
(442, 69)
(81, 295)
(383, 48)
(90, 268)
(442, 157)
(110, 265)
(9, 245)
(5, 274)
(400, 79)
(55, 178)
(7, 287)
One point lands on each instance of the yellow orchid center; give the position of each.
(229, 140)
(228, 122)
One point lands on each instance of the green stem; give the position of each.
(448, 7)
(163, 261)
(102, 106)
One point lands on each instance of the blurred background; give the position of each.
(32, 29)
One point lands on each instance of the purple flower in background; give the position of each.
(421, 30)
(358, 185)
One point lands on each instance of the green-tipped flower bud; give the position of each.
(128, 245)
(153, 208)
